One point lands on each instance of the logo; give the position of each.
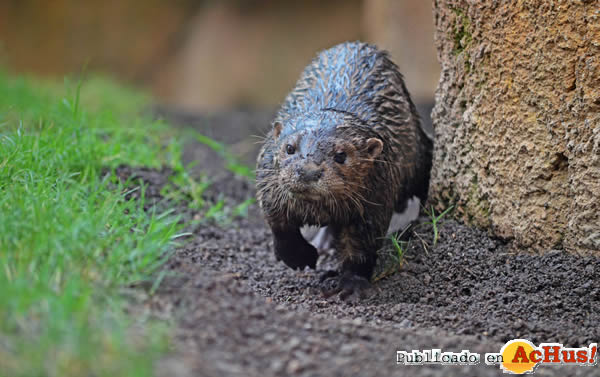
(520, 356)
(517, 356)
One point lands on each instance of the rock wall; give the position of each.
(517, 119)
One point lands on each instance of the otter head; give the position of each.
(325, 156)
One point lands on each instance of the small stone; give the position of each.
(405, 323)
(293, 367)
(349, 348)
(277, 365)
(293, 343)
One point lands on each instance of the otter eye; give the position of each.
(290, 149)
(340, 157)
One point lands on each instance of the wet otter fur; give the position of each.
(346, 150)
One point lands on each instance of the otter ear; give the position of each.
(277, 127)
(374, 147)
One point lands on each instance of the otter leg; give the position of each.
(357, 244)
(293, 249)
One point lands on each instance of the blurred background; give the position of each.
(212, 55)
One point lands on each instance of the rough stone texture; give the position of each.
(517, 119)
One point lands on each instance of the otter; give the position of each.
(346, 151)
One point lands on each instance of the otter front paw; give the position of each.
(350, 287)
(297, 255)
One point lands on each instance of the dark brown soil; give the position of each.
(238, 312)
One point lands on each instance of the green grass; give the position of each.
(435, 219)
(399, 248)
(232, 163)
(396, 253)
(186, 190)
(69, 240)
(183, 188)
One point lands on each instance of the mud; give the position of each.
(238, 312)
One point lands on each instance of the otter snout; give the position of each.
(309, 172)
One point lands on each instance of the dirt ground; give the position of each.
(238, 312)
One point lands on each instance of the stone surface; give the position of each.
(517, 119)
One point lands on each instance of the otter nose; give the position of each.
(309, 172)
